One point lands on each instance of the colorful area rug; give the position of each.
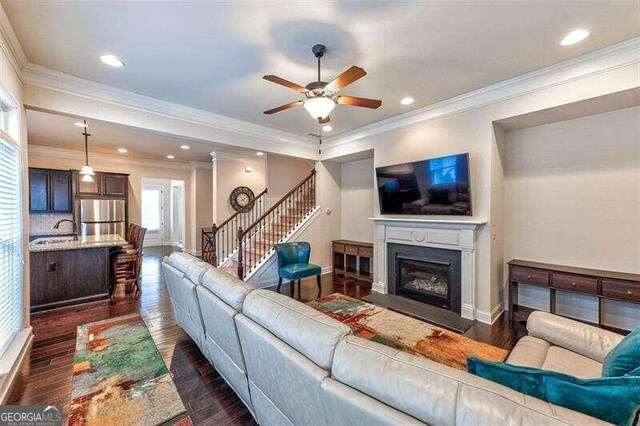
(404, 333)
(119, 377)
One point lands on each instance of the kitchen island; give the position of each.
(65, 272)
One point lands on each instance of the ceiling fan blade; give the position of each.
(346, 78)
(324, 120)
(284, 107)
(286, 83)
(360, 102)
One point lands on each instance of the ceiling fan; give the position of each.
(321, 97)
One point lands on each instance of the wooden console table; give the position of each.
(620, 286)
(353, 260)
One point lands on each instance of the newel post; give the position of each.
(214, 245)
(240, 253)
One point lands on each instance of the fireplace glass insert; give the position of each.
(424, 280)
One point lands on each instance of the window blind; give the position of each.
(10, 244)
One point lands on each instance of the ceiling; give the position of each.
(59, 131)
(212, 56)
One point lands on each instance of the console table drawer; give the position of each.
(575, 283)
(529, 275)
(621, 290)
(338, 248)
(351, 250)
(365, 251)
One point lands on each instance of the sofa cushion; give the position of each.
(196, 270)
(564, 361)
(615, 400)
(625, 357)
(592, 342)
(438, 394)
(227, 287)
(310, 332)
(537, 353)
(529, 352)
(181, 261)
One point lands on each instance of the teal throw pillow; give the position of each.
(615, 400)
(624, 358)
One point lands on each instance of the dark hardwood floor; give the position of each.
(45, 376)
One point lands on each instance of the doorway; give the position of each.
(162, 204)
(152, 214)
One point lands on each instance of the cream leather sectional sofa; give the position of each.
(291, 364)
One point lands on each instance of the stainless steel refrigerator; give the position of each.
(102, 217)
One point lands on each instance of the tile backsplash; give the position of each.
(42, 224)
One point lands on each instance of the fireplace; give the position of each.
(426, 274)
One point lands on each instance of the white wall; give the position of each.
(357, 197)
(283, 173)
(327, 227)
(572, 196)
(466, 125)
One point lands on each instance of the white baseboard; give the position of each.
(490, 317)
(379, 287)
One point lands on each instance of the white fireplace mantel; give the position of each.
(452, 234)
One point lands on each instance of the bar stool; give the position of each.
(126, 265)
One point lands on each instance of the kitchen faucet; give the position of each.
(75, 227)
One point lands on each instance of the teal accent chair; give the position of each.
(293, 264)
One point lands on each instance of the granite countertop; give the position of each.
(67, 243)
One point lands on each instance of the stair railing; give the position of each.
(257, 240)
(219, 242)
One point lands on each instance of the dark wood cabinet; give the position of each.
(353, 262)
(602, 285)
(60, 191)
(65, 277)
(50, 191)
(38, 191)
(103, 185)
(86, 188)
(114, 185)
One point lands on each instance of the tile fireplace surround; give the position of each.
(438, 233)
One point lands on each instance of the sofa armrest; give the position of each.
(584, 339)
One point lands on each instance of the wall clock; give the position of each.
(240, 197)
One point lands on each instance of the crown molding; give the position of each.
(10, 44)
(39, 76)
(593, 63)
(72, 154)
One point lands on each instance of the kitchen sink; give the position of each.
(58, 240)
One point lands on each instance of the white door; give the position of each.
(152, 209)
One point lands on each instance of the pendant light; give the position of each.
(87, 171)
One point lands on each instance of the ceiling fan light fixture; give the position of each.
(319, 107)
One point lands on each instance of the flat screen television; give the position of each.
(437, 186)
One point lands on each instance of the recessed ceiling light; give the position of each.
(327, 128)
(122, 151)
(81, 124)
(170, 157)
(112, 60)
(185, 146)
(259, 153)
(406, 101)
(574, 37)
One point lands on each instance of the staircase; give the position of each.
(243, 242)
